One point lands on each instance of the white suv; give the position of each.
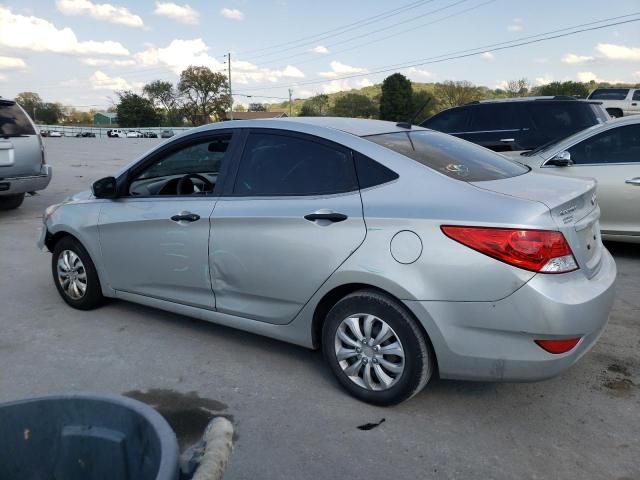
(618, 101)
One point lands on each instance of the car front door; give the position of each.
(496, 126)
(292, 217)
(155, 238)
(611, 157)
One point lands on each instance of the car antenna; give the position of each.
(414, 116)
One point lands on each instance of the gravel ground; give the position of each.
(292, 419)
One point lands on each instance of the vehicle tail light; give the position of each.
(544, 251)
(558, 346)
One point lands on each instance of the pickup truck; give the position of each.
(619, 102)
(22, 164)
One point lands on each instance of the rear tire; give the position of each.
(9, 202)
(75, 275)
(398, 367)
(614, 112)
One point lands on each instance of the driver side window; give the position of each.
(191, 170)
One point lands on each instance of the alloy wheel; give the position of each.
(72, 275)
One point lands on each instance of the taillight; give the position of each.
(558, 346)
(544, 251)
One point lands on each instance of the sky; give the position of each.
(80, 52)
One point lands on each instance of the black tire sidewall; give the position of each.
(93, 295)
(10, 202)
(417, 350)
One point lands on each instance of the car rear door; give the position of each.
(292, 216)
(611, 157)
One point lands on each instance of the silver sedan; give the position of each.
(610, 153)
(397, 250)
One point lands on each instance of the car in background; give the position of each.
(149, 135)
(116, 133)
(362, 237)
(134, 134)
(516, 124)
(618, 102)
(55, 133)
(22, 162)
(610, 153)
(85, 135)
(166, 134)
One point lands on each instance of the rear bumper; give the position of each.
(495, 340)
(31, 183)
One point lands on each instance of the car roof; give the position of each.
(355, 126)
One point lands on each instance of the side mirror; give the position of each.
(562, 159)
(105, 188)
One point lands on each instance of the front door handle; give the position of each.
(186, 217)
(507, 140)
(330, 216)
(633, 181)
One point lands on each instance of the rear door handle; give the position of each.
(507, 140)
(633, 181)
(634, 104)
(186, 217)
(330, 216)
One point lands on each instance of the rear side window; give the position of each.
(451, 156)
(609, 94)
(372, 173)
(285, 165)
(563, 118)
(449, 121)
(494, 117)
(636, 95)
(13, 121)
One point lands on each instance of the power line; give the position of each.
(453, 56)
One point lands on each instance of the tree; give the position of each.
(205, 93)
(395, 101)
(307, 110)
(354, 105)
(136, 111)
(238, 107)
(257, 107)
(518, 88)
(574, 89)
(422, 106)
(453, 93)
(315, 106)
(166, 99)
(31, 102)
(50, 113)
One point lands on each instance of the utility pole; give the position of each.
(230, 91)
(290, 93)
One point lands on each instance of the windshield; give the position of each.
(13, 121)
(450, 156)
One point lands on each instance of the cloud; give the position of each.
(345, 84)
(180, 54)
(320, 49)
(71, 82)
(618, 52)
(547, 78)
(516, 25)
(100, 11)
(232, 13)
(37, 34)
(11, 63)
(590, 76)
(487, 56)
(573, 59)
(338, 68)
(636, 74)
(541, 60)
(102, 62)
(414, 72)
(101, 81)
(180, 13)
(3, 78)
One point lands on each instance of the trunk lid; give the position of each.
(573, 206)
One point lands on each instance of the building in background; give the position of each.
(105, 118)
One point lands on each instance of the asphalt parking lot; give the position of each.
(291, 417)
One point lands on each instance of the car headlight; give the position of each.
(50, 210)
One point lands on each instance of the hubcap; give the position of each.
(369, 352)
(72, 275)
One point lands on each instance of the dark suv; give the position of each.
(518, 123)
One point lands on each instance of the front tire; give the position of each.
(75, 275)
(375, 348)
(10, 202)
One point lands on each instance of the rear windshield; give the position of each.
(13, 121)
(451, 156)
(609, 94)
